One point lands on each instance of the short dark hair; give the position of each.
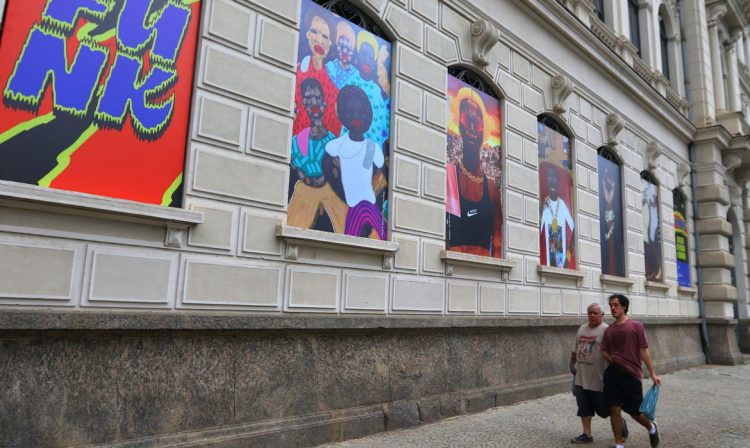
(623, 299)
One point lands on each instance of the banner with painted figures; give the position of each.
(651, 231)
(339, 154)
(96, 95)
(610, 218)
(681, 238)
(556, 222)
(473, 205)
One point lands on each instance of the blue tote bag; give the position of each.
(648, 406)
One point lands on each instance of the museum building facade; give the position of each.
(290, 222)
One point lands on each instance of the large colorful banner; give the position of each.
(681, 238)
(556, 221)
(339, 164)
(610, 218)
(651, 231)
(473, 205)
(96, 95)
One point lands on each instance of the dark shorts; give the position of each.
(590, 402)
(623, 389)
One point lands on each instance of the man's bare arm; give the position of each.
(650, 366)
(607, 357)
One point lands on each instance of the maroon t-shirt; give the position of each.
(624, 343)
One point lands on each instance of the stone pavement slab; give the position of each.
(706, 406)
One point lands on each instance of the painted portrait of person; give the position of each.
(339, 153)
(556, 222)
(474, 215)
(610, 218)
(651, 231)
(681, 238)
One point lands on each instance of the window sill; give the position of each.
(570, 274)
(656, 285)
(688, 291)
(457, 258)
(617, 281)
(176, 220)
(295, 236)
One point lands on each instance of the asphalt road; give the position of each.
(706, 406)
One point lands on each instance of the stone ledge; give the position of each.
(72, 202)
(616, 280)
(457, 258)
(568, 274)
(660, 286)
(19, 320)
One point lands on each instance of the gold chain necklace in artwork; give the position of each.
(554, 216)
(473, 178)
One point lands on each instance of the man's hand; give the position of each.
(656, 380)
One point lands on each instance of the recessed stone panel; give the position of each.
(417, 294)
(215, 231)
(365, 292)
(491, 298)
(436, 111)
(431, 261)
(243, 178)
(277, 42)
(421, 69)
(211, 283)
(405, 25)
(231, 22)
(434, 182)
(420, 140)
(420, 216)
(441, 46)
(521, 121)
(131, 278)
(31, 272)
(260, 234)
(522, 178)
(462, 296)
(221, 120)
(286, 9)
(271, 135)
(523, 300)
(313, 289)
(407, 174)
(409, 99)
(551, 301)
(407, 256)
(248, 78)
(523, 238)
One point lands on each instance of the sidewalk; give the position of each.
(706, 406)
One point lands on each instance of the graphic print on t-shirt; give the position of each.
(585, 352)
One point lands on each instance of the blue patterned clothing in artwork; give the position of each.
(339, 76)
(379, 129)
(309, 161)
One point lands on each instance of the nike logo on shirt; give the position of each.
(472, 212)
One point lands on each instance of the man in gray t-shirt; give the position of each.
(588, 365)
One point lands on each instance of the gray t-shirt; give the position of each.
(590, 363)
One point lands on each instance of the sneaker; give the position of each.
(583, 438)
(625, 432)
(654, 438)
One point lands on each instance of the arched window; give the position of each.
(681, 237)
(664, 46)
(651, 227)
(611, 228)
(635, 27)
(473, 202)
(556, 221)
(342, 107)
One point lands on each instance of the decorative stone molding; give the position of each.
(653, 151)
(484, 36)
(715, 12)
(562, 87)
(731, 161)
(683, 175)
(615, 124)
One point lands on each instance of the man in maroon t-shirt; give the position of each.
(624, 346)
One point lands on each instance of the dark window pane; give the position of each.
(664, 47)
(599, 8)
(346, 10)
(635, 29)
(471, 78)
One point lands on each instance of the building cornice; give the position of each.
(576, 34)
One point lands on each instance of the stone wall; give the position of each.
(228, 382)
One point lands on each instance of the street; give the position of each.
(687, 414)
